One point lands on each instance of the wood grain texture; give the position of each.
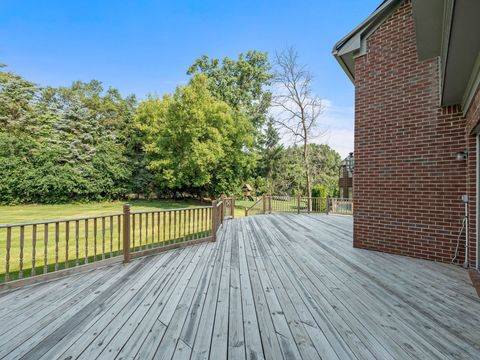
(271, 287)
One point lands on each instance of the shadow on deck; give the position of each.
(272, 286)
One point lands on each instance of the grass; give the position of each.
(93, 245)
(28, 213)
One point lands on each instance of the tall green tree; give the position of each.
(241, 83)
(16, 99)
(324, 162)
(63, 144)
(195, 142)
(271, 151)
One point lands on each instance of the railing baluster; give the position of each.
(103, 238)
(119, 218)
(158, 228)
(34, 246)
(198, 224)
(146, 230)
(133, 231)
(111, 236)
(77, 238)
(164, 228)
(174, 226)
(214, 220)
(194, 235)
(188, 225)
(126, 233)
(210, 215)
(140, 228)
(184, 225)
(179, 225)
(22, 239)
(153, 230)
(169, 227)
(67, 238)
(57, 234)
(86, 242)
(7, 259)
(95, 239)
(202, 218)
(45, 248)
(210, 223)
(205, 224)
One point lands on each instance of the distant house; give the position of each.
(345, 180)
(416, 70)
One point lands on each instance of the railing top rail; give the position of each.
(169, 210)
(44, 222)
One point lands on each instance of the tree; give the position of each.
(241, 83)
(324, 162)
(298, 108)
(63, 144)
(194, 142)
(16, 97)
(271, 152)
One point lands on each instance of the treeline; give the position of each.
(88, 143)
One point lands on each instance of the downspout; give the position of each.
(465, 200)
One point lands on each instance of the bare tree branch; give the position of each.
(299, 108)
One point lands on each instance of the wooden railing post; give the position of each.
(264, 204)
(233, 207)
(214, 220)
(126, 233)
(222, 211)
(328, 205)
(270, 204)
(298, 204)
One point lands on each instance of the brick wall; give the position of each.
(408, 184)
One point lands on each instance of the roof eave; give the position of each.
(355, 39)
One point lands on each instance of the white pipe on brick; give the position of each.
(465, 263)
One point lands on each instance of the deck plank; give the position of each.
(236, 337)
(63, 315)
(126, 320)
(87, 331)
(271, 287)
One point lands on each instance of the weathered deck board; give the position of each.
(271, 287)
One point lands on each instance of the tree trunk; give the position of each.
(307, 172)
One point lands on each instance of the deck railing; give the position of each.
(45, 249)
(258, 207)
(288, 204)
(341, 206)
(228, 207)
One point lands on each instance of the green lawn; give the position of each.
(28, 213)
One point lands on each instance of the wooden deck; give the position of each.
(272, 286)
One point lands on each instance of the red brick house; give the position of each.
(415, 65)
(345, 178)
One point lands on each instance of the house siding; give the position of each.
(408, 183)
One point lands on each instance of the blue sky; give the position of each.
(146, 46)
